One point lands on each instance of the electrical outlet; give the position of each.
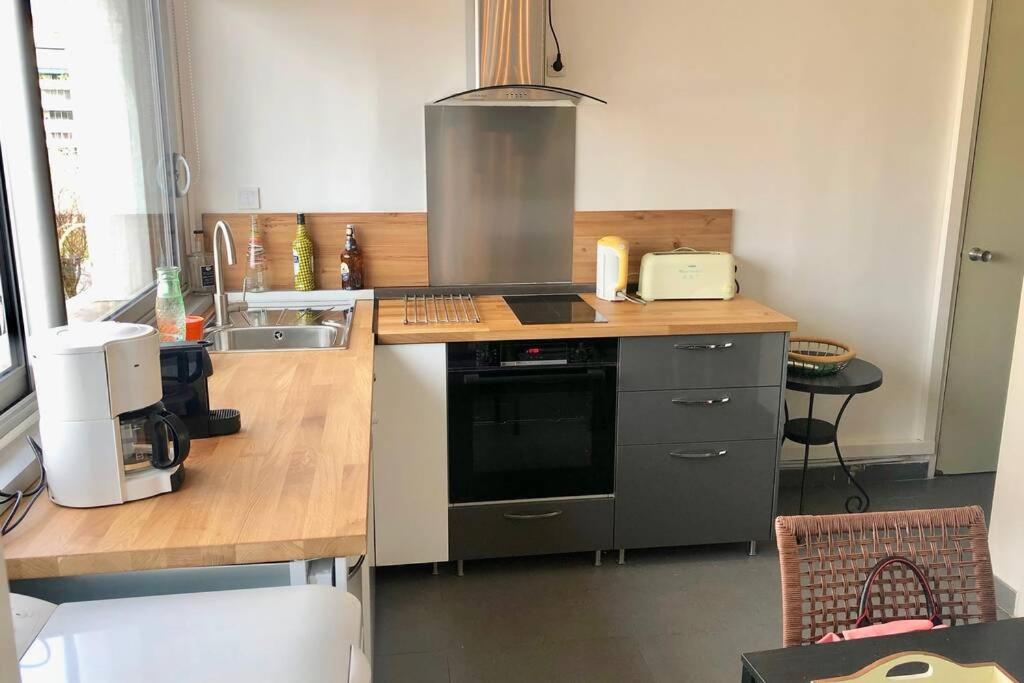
(550, 71)
(248, 198)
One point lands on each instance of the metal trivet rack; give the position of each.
(424, 309)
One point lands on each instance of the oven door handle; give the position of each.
(516, 516)
(536, 378)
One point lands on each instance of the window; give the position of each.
(106, 83)
(13, 373)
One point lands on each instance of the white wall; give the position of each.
(320, 102)
(828, 126)
(1005, 538)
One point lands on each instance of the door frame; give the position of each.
(955, 220)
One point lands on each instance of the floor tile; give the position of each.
(668, 614)
(411, 626)
(420, 667)
(590, 661)
(708, 655)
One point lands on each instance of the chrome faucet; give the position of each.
(221, 308)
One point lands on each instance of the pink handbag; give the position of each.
(863, 628)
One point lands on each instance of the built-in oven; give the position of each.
(531, 420)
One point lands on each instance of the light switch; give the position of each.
(248, 198)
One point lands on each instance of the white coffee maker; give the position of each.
(106, 437)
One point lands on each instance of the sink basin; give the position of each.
(279, 329)
(267, 338)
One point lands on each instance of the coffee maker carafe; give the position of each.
(106, 436)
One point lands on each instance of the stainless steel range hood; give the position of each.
(506, 53)
(501, 159)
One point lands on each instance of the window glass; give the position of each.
(106, 123)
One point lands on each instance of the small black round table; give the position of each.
(858, 377)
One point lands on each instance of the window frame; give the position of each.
(163, 38)
(161, 35)
(15, 384)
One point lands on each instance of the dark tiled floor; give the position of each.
(679, 614)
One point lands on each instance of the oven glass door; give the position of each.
(523, 433)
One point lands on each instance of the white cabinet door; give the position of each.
(410, 454)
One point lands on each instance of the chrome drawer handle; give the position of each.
(539, 515)
(697, 456)
(702, 347)
(701, 402)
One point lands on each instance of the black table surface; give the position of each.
(856, 378)
(1001, 642)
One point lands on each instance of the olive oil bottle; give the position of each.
(302, 256)
(351, 261)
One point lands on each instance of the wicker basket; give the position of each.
(817, 356)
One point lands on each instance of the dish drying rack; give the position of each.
(439, 308)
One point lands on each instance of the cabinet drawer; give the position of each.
(684, 494)
(698, 415)
(535, 528)
(700, 361)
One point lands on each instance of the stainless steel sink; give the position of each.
(278, 329)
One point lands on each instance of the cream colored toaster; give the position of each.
(687, 274)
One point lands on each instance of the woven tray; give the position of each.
(818, 356)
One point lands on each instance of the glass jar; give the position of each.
(170, 306)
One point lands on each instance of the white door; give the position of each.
(992, 260)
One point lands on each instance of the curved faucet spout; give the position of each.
(222, 232)
(222, 235)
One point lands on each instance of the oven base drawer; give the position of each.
(558, 525)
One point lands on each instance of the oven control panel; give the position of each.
(506, 354)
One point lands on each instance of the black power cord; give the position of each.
(557, 64)
(354, 569)
(14, 500)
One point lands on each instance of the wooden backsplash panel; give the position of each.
(645, 231)
(395, 244)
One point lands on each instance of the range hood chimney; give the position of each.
(505, 54)
(507, 41)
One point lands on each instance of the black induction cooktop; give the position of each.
(550, 309)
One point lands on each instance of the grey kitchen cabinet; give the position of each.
(697, 415)
(530, 528)
(698, 434)
(701, 361)
(678, 494)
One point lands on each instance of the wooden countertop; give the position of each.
(625, 319)
(293, 484)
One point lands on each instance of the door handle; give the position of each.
(702, 347)
(181, 163)
(701, 402)
(697, 456)
(979, 254)
(538, 515)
